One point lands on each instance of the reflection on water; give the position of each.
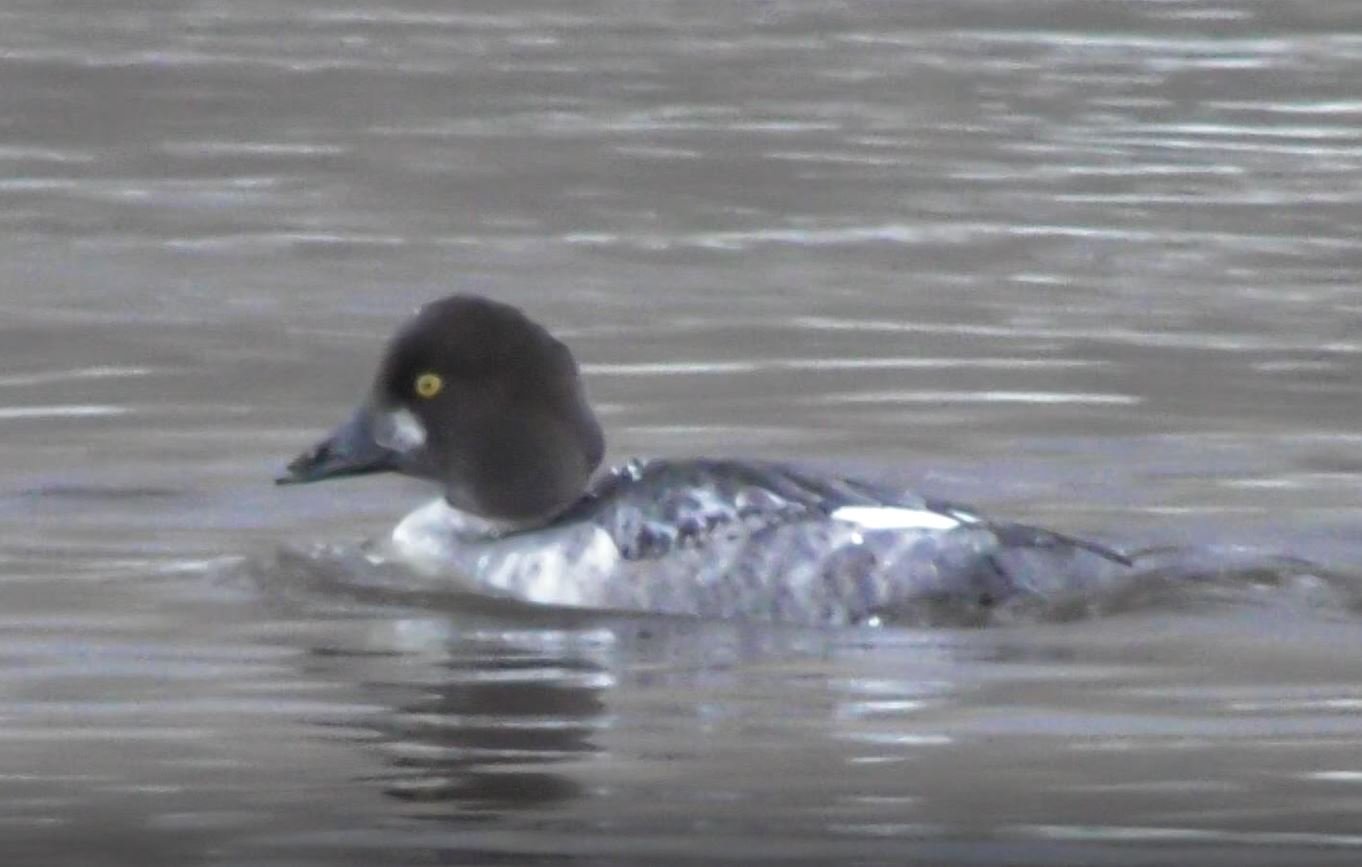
(1094, 265)
(486, 735)
(613, 739)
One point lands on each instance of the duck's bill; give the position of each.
(350, 450)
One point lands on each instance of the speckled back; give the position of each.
(757, 540)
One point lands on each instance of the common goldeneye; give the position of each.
(475, 396)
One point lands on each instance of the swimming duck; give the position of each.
(475, 396)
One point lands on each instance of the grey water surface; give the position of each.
(1094, 265)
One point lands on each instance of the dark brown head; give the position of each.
(472, 394)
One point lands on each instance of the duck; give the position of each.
(475, 396)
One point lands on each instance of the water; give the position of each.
(1093, 264)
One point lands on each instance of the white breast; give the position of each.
(568, 565)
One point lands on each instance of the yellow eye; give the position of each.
(429, 384)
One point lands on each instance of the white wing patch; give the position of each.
(898, 518)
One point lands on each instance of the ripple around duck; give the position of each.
(1167, 579)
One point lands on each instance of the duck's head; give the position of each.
(473, 395)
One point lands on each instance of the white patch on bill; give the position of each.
(401, 431)
(896, 518)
